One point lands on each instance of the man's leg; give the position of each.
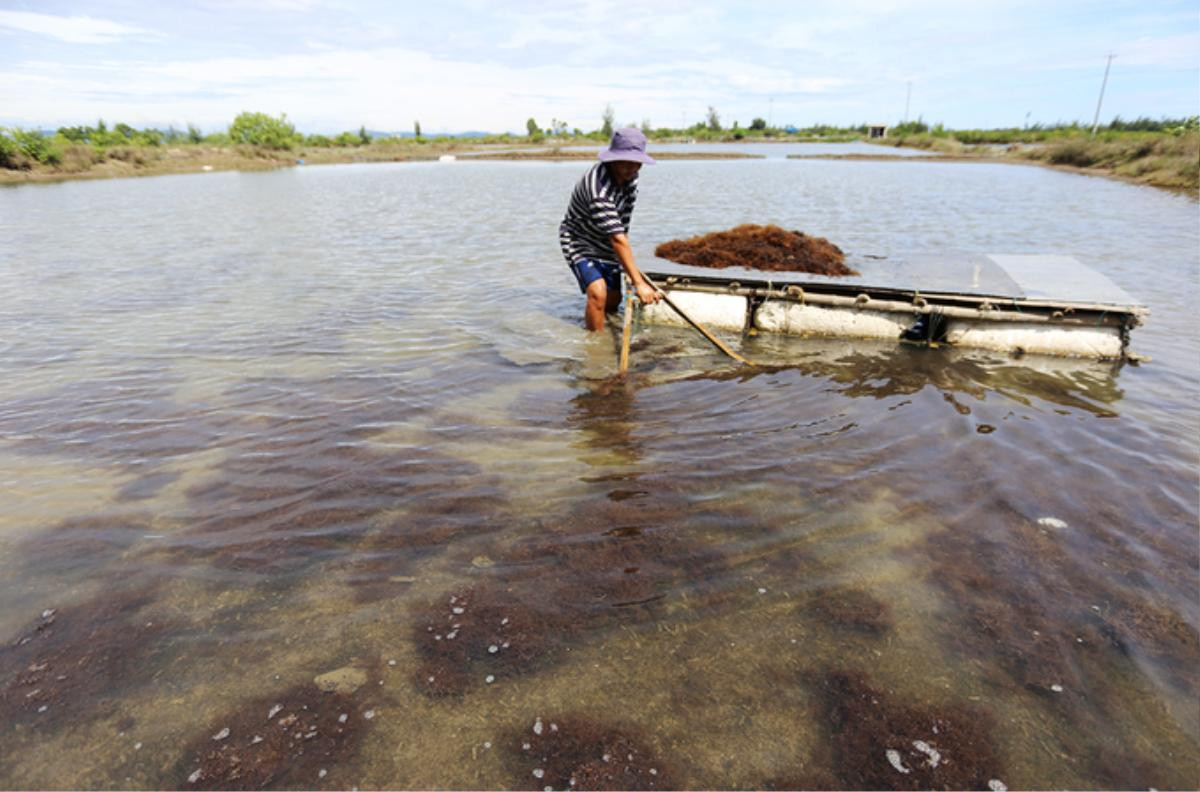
(597, 303)
(614, 301)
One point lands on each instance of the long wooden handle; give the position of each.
(625, 335)
(721, 345)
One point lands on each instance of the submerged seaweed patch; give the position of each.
(573, 752)
(853, 609)
(878, 743)
(612, 562)
(67, 660)
(300, 738)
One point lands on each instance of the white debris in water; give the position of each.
(505, 645)
(343, 716)
(653, 771)
(194, 777)
(1057, 688)
(391, 662)
(430, 679)
(537, 726)
(548, 789)
(490, 678)
(538, 772)
(762, 591)
(1052, 522)
(274, 711)
(996, 785)
(137, 746)
(893, 757)
(606, 757)
(221, 735)
(322, 773)
(257, 739)
(450, 636)
(369, 714)
(43, 708)
(453, 600)
(935, 758)
(493, 649)
(504, 621)
(456, 611)
(487, 744)
(46, 614)
(524, 746)
(553, 727)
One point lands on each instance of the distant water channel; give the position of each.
(258, 428)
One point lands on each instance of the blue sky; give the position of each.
(460, 65)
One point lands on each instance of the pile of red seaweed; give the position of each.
(758, 247)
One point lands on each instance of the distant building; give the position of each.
(877, 131)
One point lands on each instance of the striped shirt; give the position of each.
(599, 208)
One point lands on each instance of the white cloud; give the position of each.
(75, 30)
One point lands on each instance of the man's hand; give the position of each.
(647, 293)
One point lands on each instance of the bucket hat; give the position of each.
(627, 144)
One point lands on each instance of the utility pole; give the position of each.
(906, 100)
(1096, 120)
(770, 110)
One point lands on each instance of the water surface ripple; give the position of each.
(259, 427)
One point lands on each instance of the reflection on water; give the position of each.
(333, 499)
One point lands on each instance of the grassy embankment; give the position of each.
(1159, 154)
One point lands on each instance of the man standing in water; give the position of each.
(595, 232)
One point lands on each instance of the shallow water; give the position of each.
(257, 427)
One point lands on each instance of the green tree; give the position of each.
(363, 136)
(10, 152)
(531, 127)
(714, 119)
(194, 134)
(758, 123)
(260, 129)
(609, 116)
(36, 146)
(417, 129)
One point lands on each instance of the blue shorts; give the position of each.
(588, 270)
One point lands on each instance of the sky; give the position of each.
(459, 65)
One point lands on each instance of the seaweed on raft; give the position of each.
(574, 752)
(758, 247)
(297, 739)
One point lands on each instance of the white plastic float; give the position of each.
(1003, 303)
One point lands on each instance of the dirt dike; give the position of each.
(769, 248)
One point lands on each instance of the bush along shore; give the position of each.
(1163, 153)
(1157, 153)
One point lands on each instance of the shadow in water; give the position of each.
(605, 412)
(865, 369)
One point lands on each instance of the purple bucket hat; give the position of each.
(627, 144)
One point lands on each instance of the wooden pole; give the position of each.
(721, 345)
(626, 333)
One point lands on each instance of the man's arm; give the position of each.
(645, 292)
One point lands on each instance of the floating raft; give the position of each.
(1004, 303)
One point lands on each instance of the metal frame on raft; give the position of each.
(999, 323)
